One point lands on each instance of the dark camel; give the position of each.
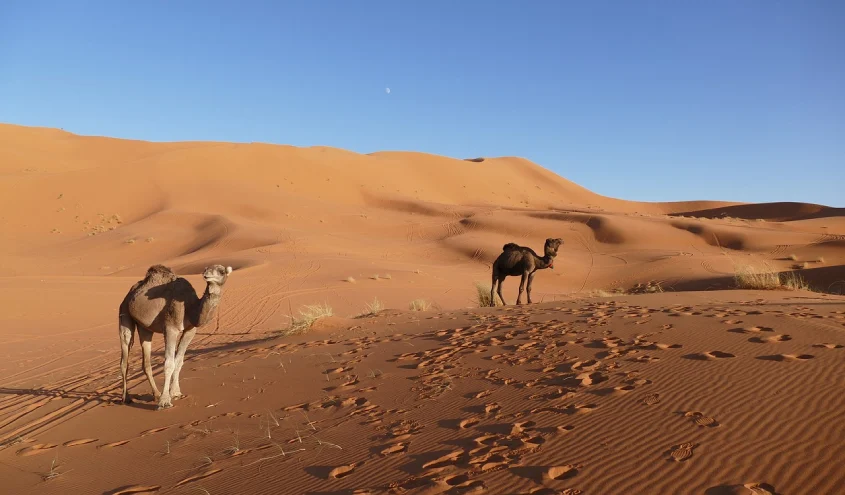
(520, 260)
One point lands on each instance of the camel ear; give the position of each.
(228, 270)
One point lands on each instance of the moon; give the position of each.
(387, 90)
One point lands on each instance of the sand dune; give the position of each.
(700, 388)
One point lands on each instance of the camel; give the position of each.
(520, 260)
(166, 304)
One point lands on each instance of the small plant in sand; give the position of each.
(372, 308)
(149, 239)
(53, 472)
(483, 297)
(350, 280)
(765, 278)
(801, 266)
(793, 257)
(649, 287)
(819, 260)
(388, 276)
(236, 445)
(756, 278)
(129, 241)
(375, 277)
(419, 305)
(794, 281)
(307, 316)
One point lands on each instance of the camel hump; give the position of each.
(160, 272)
(510, 246)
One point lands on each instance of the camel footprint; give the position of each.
(398, 448)
(828, 346)
(342, 471)
(36, 449)
(202, 475)
(81, 441)
(135, 489)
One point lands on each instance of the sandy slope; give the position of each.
(690, 392)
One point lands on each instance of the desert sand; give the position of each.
(640, 367)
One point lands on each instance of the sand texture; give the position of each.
(640, 367)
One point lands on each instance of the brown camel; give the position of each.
(520, 260)
(167, 304)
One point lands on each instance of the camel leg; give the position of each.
(127, 336)
(528, 288)
(521, 288)
(171, 337)
(184, 342)
(499, 291)
(146, 338)
(493, 288)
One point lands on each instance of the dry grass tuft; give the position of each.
(129, 241)
(793, 257)
(650, 287)
(601, 293)
(419, 305)
(483, 290)
(388, 276)
(375, 277)
(819, 260)
(794, 281)
(149, 239)
(372, 308)
(765, 278)
(755, 278)
(350, 280)
(308, 315)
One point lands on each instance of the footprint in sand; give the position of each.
(36, 449)
(742, 489)
(113, 444)
(398, 448)
(787, 357)
(651, 399)
(560, 472)
(770, 340)
(468, 423)
(342, 471)
(154, 430)
(699, 419)
(710, 356)
(682, 452)
(624, 388)
(135, 489)
(202, 475)
(81, 441)
(588, 365)
(828, 346)
(754, 329)
(450, 458)
(588, 379)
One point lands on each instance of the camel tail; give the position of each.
(509, 246)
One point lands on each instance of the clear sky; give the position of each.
(650, 100)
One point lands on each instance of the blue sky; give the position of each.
(647, 100)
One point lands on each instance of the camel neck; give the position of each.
(208, 304)
(545, 262)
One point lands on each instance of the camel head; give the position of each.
(216, 274)
(550, 248)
